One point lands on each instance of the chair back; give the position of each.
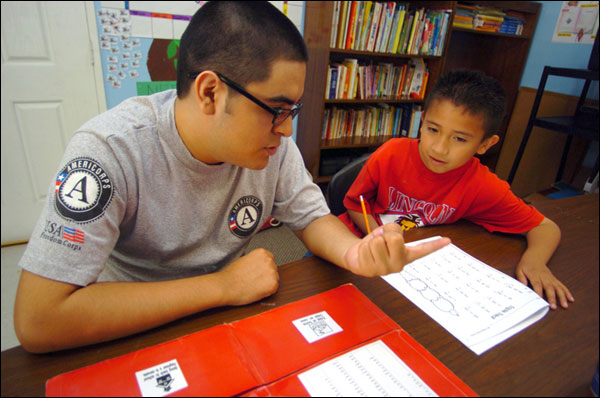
(341, 182)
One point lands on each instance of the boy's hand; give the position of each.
(383, 251)
(542, 280)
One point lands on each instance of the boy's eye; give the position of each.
(460, 139)
(432, 129)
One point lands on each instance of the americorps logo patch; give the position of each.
(244, 216)
(83, 190)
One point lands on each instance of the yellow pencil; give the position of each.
(362, 203)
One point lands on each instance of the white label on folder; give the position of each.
(317, 326)
(373, 370)
(161, 380)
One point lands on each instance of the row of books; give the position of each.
(353, 80)
(488, 19)
(382, 120)
(388, 27)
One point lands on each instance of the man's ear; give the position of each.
(205, 88)
(487, 144)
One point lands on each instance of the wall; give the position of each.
(545, 52)
(540, 161)
(139, 43)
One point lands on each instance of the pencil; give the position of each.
(362, 203)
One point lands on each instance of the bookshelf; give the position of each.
(500, 55)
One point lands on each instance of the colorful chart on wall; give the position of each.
(577, 22)
(139, 43)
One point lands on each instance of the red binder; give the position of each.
(257, 356)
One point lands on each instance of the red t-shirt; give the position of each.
(396, 183)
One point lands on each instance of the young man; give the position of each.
(156, 199)
(437, 179)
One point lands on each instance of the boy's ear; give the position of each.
(487, 144)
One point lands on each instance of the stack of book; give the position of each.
(463, 18)
(372, 121)
(488, 19)
(513, 23)
(353, 80)
(388, 27)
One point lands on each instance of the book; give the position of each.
(377, 11)
(394, 47)
(416, 122)
(405, 120)
(418, 77)
(360, 12)
(342, 25)
(293, 350)
(390, 11)
(334, 23)
(333, 84)
(351, 26)
(476, 303)
(366, 25)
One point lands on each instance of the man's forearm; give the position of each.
(106, 311)
(328, 238)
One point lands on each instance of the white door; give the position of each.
(51, 84)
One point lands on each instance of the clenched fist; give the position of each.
(250, 278)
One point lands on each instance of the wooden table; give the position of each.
(556, 356)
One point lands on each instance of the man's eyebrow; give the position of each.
(282, 98)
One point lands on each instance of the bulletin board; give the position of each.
(139, 43)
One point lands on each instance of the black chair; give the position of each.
(341, 182)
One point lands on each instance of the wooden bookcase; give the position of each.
(499, 55)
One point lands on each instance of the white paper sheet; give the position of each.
(476, 303)
(372, 370)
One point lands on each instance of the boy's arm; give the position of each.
(52, 315)
(379, 253)
(542, 241)
(359, 219)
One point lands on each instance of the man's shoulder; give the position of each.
(134, 113)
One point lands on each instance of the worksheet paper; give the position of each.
(373, 370)
(476, 303)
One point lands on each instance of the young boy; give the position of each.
(437, 180)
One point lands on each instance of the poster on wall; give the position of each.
(577, 22)
(139, 43)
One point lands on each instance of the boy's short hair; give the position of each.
(241, 40)
(478, 93)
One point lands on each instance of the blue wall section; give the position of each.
(545, 52)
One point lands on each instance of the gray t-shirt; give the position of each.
(130, 203)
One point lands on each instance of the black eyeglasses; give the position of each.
(279, 114)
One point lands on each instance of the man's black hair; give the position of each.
(241, 40)
(478, 93)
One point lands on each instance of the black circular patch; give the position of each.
(244, 216)
(83, 190)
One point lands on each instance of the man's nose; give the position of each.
(286, 128)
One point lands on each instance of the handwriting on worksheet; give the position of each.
(478, 304)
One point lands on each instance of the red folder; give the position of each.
(261, 355)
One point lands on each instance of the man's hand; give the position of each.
(383, 251)
(250, 278)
